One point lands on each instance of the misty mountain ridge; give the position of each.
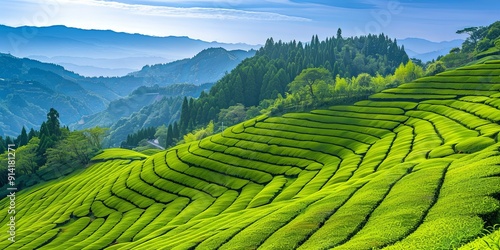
(72, 46)
(426, 50)
(29, 88)
(138, 99)
(207, 66)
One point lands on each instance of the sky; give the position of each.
(253, 21)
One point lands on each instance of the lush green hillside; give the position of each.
(416, 167)
(267, 74)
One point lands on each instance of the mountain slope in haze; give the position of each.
(145, 107)
(105, 49)
(209, 65)
(413, 166)
(426, 50)
(29, 88)
(161, 112)
(39, 86)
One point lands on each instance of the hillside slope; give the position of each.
(209, 65)
(412, 167)
(28, 89)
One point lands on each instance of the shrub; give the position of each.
(474, 144)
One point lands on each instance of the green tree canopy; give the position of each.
(310, 77)
(233, 115)
(200, 133)
(170, 136)
(161, 134)
(95, 136)
(364, 80)
(23, 138)
(435, 68)
(53, 124)
(27, 157)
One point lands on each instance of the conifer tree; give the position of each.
(53, 124)
(23, 138)
(2, 145)
(170, 136)
(32, 134)
(175, 130)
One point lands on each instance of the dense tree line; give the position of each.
(316, 87)
(50, 152)
(275, 65)
(142, 134)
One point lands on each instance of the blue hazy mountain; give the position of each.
(29, 88)
(426, 50)
(207, 66)
(100, 52)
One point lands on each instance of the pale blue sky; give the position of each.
(253, 21)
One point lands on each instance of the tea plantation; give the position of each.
(415, 167)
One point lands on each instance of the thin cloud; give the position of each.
(193, 12)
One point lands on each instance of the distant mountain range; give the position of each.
(29, 88)
(207, 66)
(110, 53)
(426, 50)
(100, 52)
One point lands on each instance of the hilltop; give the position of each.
(412, 166)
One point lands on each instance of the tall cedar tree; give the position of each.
(2, 145)
(175, 130)
(170, 136)
(23, 138)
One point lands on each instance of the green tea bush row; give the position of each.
(369, 110)
(368, 116)
(222, 203)
(450, 130)
(297, 120)
(452, 86)
(426, 137)
(443, 92)
(350, 144)
(140, 223)
(350, 218)
(164, 218)
(374, 156)
(402, 210)
(293, 189)
(396, 97)
(400, 104)
(227, 169)
(330, 132)
(400, 149)
(322, 116)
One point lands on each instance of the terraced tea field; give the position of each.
(416, 167)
